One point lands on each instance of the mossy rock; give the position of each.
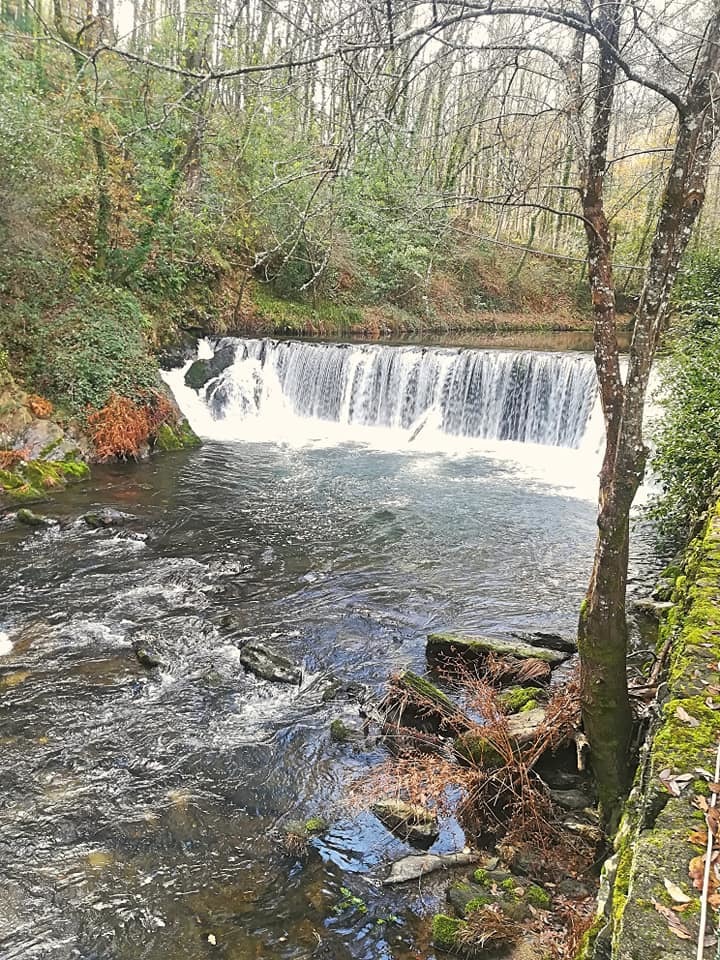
(445, 932)
(31, 519)
(450, 646)
(38, 479)
(177, 436)
(515, 699)
(416, 702)
(537, 897)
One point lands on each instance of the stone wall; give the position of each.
(654, 842)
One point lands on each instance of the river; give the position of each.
(143, 812)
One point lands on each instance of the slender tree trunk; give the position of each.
(602, 633)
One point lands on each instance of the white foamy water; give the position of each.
(6, 644)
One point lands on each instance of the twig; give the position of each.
(708, 864)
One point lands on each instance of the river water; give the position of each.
(142, 813)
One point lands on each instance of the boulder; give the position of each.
(262, 661)
(571, 799)
(477, 748)
(408, 821)
(108, 517)
(32, 519)
(450, 646)
(414, 701)
(202, 371)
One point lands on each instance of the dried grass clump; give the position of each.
(124, 426)
(489, 927)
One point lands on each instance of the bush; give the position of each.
(686, 461)
(79, 342)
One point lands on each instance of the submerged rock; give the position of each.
(414, 867)
(108, 517)
(409, 821)
(342, 732)
(345, 690)
(32, 519)
(265, 663)
(149, 651)
(444, 646)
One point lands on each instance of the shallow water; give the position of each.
(141, 813)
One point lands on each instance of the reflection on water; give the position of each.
(142, 813)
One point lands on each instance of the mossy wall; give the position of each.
(653, 843)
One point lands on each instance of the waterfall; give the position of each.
(265, 387)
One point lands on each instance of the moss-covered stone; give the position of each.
(316, 825)
(515, 699)
(443, 646)
(176, 436)
(36, 480)
(652, 843)
(445, 932)
(538, 897)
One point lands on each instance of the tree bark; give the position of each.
(602, 633)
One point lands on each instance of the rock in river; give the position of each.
(442, 646)
(108, 517)
(148, 651)
(407, 820)
(411, 868)
(265, 663)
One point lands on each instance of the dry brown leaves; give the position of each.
(123, 426)
(39, 406)
(9, 459)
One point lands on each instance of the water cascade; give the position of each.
(529, 397)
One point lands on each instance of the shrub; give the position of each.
(686, 459)
(123, 426)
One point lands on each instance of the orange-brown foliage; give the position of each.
(39, 406)
(123, 426)
(11, 458)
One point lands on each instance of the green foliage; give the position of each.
(79, 341)
(687, 440)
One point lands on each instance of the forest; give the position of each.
(268, 221)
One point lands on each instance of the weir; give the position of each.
(528, 396)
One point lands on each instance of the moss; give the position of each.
(316, 825)
(680, 746)
(425, 690)
(537, 897)
(508, 885)
(530, 705)
(36, 479)
(514, 699)
(175, 437)
(477, 750)
(445, 931)
(477, 903)
(340, 732)
(482, 877)
(29, 518)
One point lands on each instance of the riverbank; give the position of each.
(651, 892)
(43, 449)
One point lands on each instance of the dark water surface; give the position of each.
(142, 813)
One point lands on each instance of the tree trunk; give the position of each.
(602, 632)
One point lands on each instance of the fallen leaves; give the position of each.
(683, 715)
(675, 893)
(675, 924)
(675, 783)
